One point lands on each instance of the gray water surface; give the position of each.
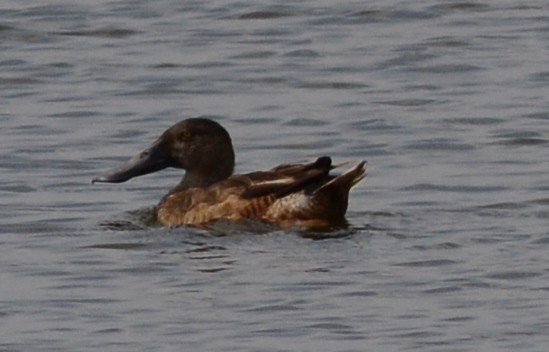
(447, 243)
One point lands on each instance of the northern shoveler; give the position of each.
(287, 195)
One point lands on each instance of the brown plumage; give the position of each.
(287, 195)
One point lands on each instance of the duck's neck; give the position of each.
(207, 171)
(199, 180)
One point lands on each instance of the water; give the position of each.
(447, 239)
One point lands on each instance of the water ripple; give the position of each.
(117, 33)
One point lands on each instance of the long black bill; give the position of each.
(148, 161)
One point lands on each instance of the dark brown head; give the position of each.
(200, 146)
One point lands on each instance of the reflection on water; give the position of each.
(133, 220)
(145, 219)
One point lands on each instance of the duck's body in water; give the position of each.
(288, 195)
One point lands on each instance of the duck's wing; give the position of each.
(285, 179)
(324, 163)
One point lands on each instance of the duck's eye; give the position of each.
(185, 135)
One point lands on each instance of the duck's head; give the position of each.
(200, 146)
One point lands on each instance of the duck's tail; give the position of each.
(345, 181)
(330, 200)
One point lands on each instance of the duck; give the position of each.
(294, 194)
